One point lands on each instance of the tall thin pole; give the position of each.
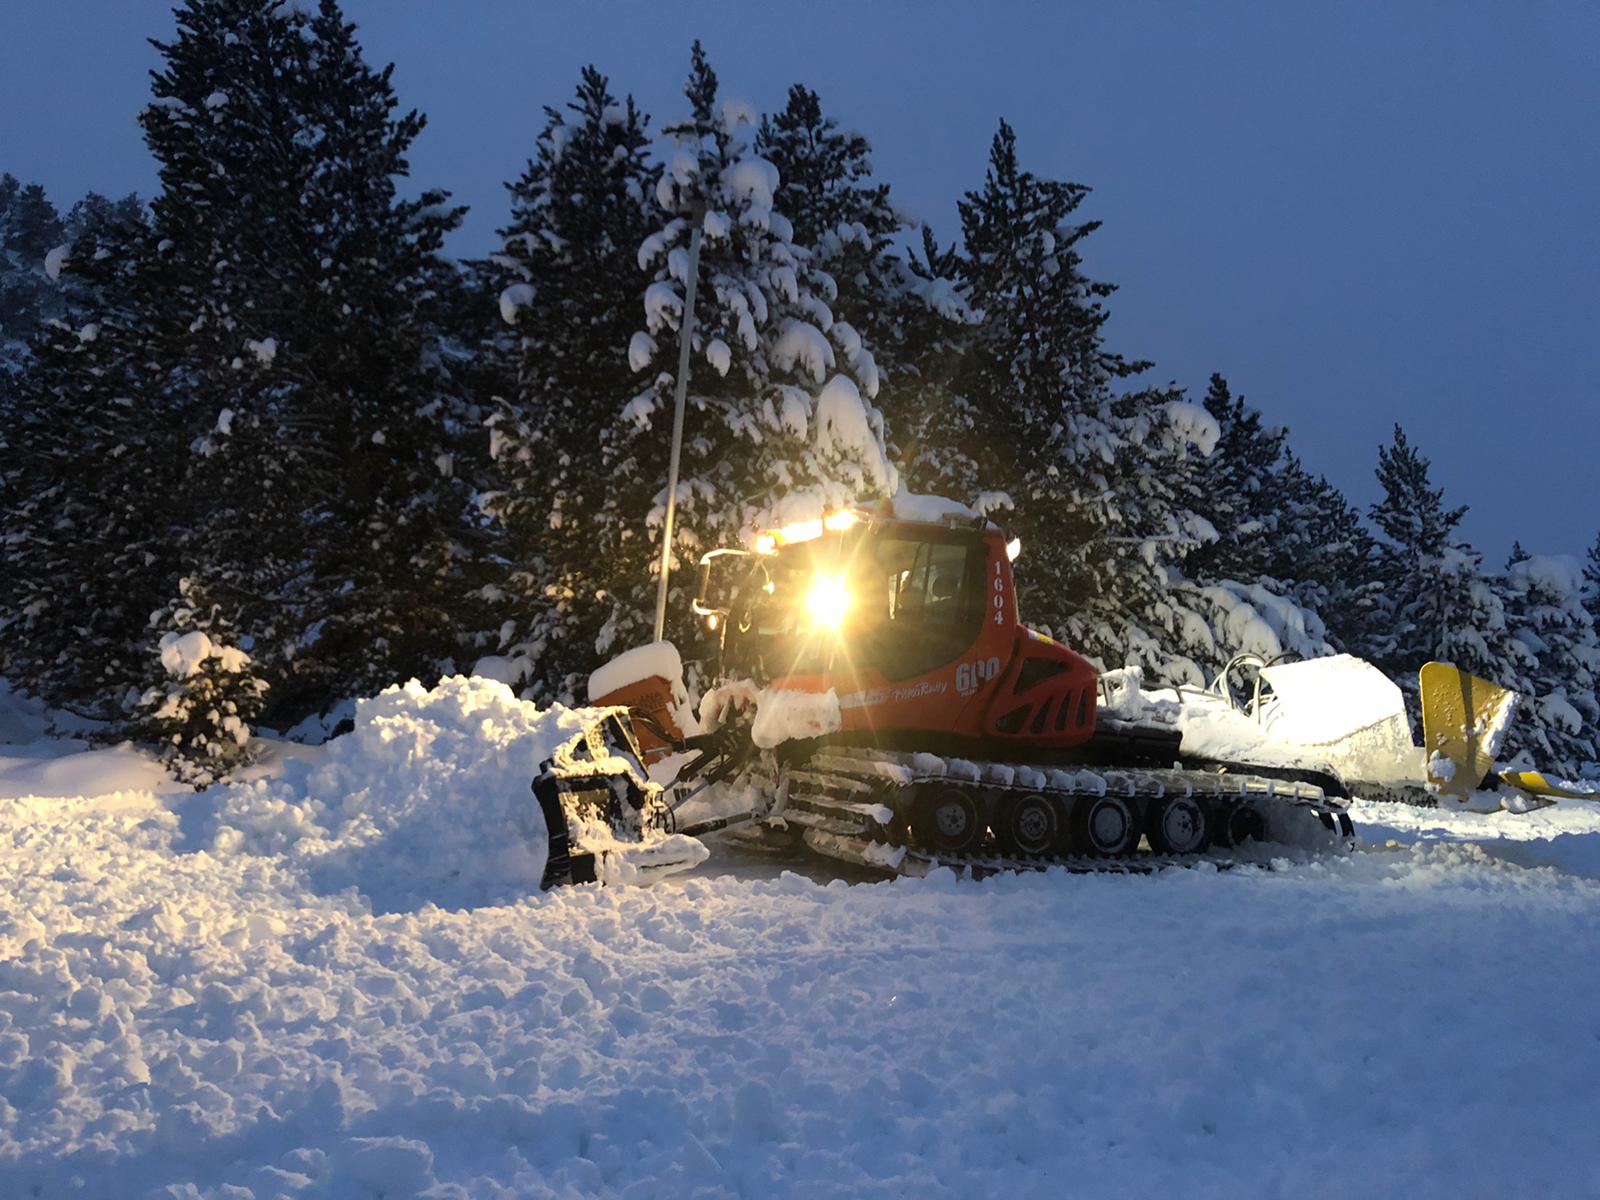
(685, 341)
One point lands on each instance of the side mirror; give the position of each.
(718, 588)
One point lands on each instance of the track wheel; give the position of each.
(1105, 825)
(1238, 824)
(1028, 825)
(1177, 825)
(948, 819)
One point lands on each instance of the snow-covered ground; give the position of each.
(334, 981)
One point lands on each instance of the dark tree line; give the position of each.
(264, 445)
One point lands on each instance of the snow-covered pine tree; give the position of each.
(1045, 426)
(30, 229)
(842, 214)
(90, 481)
(909, 310)
(780, 420)
(1436, 599)
(1241, 496)
(1279, 525)
(930, 421)
(1558, 666)
(204, 689)
(322, 498)
(1591, 583)
(1324, 557)
(567, 278)
(1101, 485)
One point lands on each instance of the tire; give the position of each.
(949, 820)
(1177, 825)
(1105, 826)
(1238, 824)
(1029, 825)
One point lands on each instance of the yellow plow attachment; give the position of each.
(1464, 722)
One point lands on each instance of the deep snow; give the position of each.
(192, 1004)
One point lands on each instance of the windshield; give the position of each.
(900, 602)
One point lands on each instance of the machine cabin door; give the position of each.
(922, 601)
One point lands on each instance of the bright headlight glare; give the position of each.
(836, 521)
(827, 601)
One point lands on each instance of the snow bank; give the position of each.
(427, 800)
(201, 1025)
(71, 768)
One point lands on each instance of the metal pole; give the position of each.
(685, 340)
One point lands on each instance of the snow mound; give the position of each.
(22, 719)
(783, 716)
(426, 800)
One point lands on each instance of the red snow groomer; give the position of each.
(878, 697)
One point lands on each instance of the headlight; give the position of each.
(827, 601)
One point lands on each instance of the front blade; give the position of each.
(1464, 723)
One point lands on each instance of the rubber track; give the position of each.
(843, 795)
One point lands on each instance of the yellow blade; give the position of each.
(1464, 721)
(1536, 784)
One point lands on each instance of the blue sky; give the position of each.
(1359, 213)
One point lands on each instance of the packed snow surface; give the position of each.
(192, 1004)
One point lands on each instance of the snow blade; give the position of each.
(1537, 783)
(1464, 722)
(597, 801)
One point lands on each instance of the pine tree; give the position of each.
(1436, 599)
(272, 409)
(909, 310)
(325, 438)
(204, 692)
(1557, 661)
(1044, 420)
(93, 466)
(1102, 486)
(1591, 583)
(930, 421)
(780, 422)
(1241, 496)
(842, 214)
(30, 229)
(1326, 559)
(568, 280)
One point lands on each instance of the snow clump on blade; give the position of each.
(426, 801)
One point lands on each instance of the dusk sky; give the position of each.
(1385, 213)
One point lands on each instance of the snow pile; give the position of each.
(32, 763)
(783, 716)
(427, 800)
(22, 719)
(1564, 836)
(912, 506)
